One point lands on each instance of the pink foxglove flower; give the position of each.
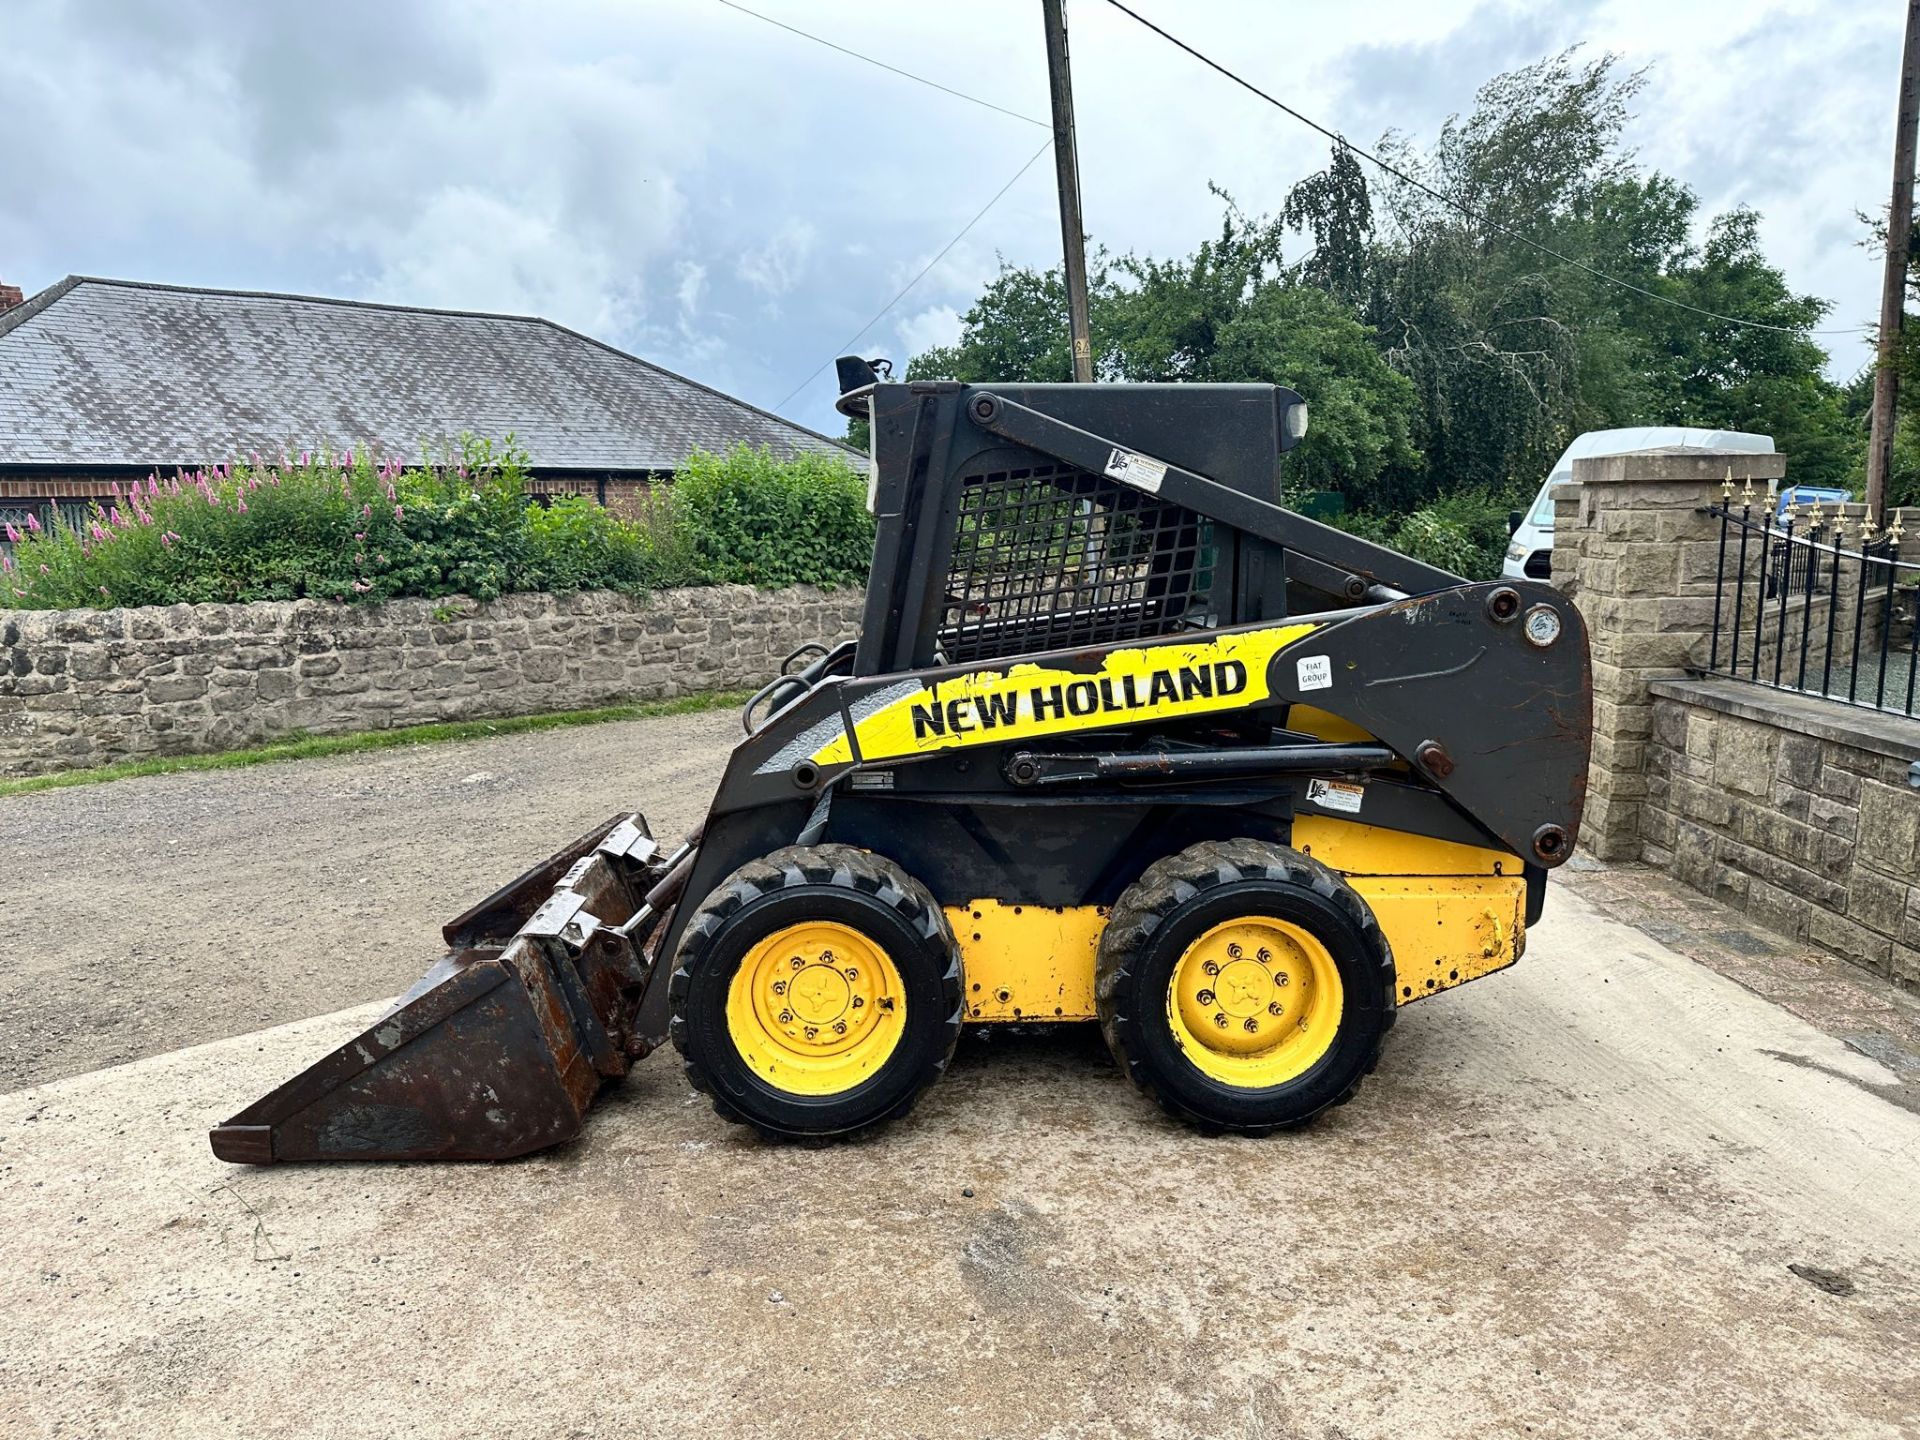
(33, 522)
(399, 512)
(241, 506)
(13, 535)
(361, 587)
(113, 517)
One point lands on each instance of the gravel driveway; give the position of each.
(1608, 1192)
(143, 915)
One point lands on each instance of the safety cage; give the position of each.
(1047, 557)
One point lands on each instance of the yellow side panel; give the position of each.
(1447, 929)
(1028, 962)
(1024, 699)
(1312, 720)
(1036, 962)
(1356, 849)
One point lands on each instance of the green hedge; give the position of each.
(352, 528)
(1465, 532)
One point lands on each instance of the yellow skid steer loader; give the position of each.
(1120, 739)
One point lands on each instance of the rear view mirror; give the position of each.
(1514, 517)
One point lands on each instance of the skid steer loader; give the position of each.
(1120, 739)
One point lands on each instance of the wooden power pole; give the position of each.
(1066, 162)
(1893, 286)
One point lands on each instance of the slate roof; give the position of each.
(112, 372)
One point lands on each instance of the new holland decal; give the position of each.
(1156, 682)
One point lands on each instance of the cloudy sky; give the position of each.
(734, 202)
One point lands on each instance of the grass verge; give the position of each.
(308, 747)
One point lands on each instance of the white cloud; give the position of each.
(936, 325)
(776, 267)
(733, 201)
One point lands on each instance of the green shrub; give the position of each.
(1465, 532)
(349, 528)
(751, 519)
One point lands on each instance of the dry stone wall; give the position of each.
(89, 687)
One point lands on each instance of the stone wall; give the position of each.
(1795, 809)
(88, 687)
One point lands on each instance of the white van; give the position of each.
(1530, 550)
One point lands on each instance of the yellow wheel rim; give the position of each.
(815, 1009)
(1254, 1002)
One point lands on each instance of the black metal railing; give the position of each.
(1815, 600)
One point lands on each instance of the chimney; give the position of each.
(10, 296)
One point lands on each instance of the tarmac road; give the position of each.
(1566, 1205)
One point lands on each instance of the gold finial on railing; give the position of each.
(1792, 514)
(1726, 487)
(1746, 494)
(1896, 530)
(1866, 529)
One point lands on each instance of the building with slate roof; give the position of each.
(104, 381)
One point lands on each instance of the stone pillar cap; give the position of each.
(1677, 464)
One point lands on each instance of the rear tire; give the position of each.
(1244, 986)
(816, 993)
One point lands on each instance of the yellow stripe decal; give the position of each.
(1227, 671)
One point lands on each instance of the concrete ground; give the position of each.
(1608, 1192)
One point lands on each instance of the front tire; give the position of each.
(816, 993)
(1244, 986)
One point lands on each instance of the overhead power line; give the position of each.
(1454, 204)
(854, 339)
(881, 64)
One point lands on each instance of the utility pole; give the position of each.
(1066, 163)
(1893, 286)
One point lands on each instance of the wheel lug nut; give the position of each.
(1220, 1019)
(1233, 952)
(1275, 1008)
(786, 1017)
(1205, 997)
(858, 1002)
(1266, 955)
(813, 1032)
(826, 957)
(852, 973)
(1282, 978)
(1251, 1025)
(779, 987)
(798, 963)
(839, 1027)
(1210, 968)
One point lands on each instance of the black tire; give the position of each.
(1179, 899)
(803, 883)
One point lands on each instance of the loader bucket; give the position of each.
(505, 1041)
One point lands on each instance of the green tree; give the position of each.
(1228, 312)
(1444, 345)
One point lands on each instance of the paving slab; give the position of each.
(1568, 1204)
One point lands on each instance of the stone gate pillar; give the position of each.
(1632, 550)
